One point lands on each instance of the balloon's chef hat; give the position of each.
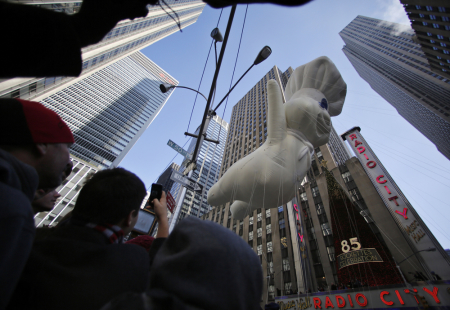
(320, 74)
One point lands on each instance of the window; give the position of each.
(425, 23)
(436, 26)
(315, 191)
(267, 213)
(281, 223)
(287, 285)
(441, 9)
(269, 229)
(443, 44)
(433, 17)
(250, 220)
(429, 8)
(259, 232)
(259, 217)
(269, 247)
(280, 209)
(250, 243)
(440, 37)
(320, 209)
(269, 266)
(259, 225)
(330, 251)
(259, 249)
(446, 52)
(326, 230)
(286, 266)
(303, 197)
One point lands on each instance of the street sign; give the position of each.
(170, 202)
(179, 149)
(185, 181)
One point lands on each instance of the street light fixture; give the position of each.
(263, 54)
(427, 250)
(216, 35)
(165, 88)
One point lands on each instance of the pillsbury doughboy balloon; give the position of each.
(269, 177)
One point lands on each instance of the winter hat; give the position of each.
(29, 122)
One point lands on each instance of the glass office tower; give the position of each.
(109, 110)
(123, 40)
(386, 57)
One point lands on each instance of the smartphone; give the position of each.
(155, 193)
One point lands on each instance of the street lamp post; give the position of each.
(263, 54)
(398, 264)
(427, 250)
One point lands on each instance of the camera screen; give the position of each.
(144, 222)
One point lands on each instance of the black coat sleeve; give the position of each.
(37, 42)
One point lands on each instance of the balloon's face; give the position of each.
(307, 112)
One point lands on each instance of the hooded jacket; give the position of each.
(201, 265)
(18, 183)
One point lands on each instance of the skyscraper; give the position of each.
(123, 40)
(190, 203)
(109, 110)
(431, 22)
(165, 180)
(385, 56)
(266, 231)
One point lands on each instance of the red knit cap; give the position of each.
(23, 122)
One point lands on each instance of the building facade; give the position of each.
(190, 203)
(109, 110)
(430, 20)
(165, 180)
(128, 37)
(69, 191)
(386, 57)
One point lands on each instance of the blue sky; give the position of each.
(296, 36)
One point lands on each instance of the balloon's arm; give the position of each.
(276, 130)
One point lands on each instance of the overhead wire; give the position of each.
(201, 79)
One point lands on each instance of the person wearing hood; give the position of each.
(201, 265)
(34, 151)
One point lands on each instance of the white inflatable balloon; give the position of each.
(268, 177)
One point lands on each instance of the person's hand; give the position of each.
(160, 207)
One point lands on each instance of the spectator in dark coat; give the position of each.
(34, 151)
(201, 265)
(84, 264)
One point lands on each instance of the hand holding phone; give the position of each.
(155, 193)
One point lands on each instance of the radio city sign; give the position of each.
(384, 185)
(371, 298)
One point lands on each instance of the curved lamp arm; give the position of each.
(165, 88)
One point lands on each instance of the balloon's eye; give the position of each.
(324, 104)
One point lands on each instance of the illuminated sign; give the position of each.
(393, 200)
(374, 298)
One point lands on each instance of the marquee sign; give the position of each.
(436, 295)
(358, 257)
(393, 200)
